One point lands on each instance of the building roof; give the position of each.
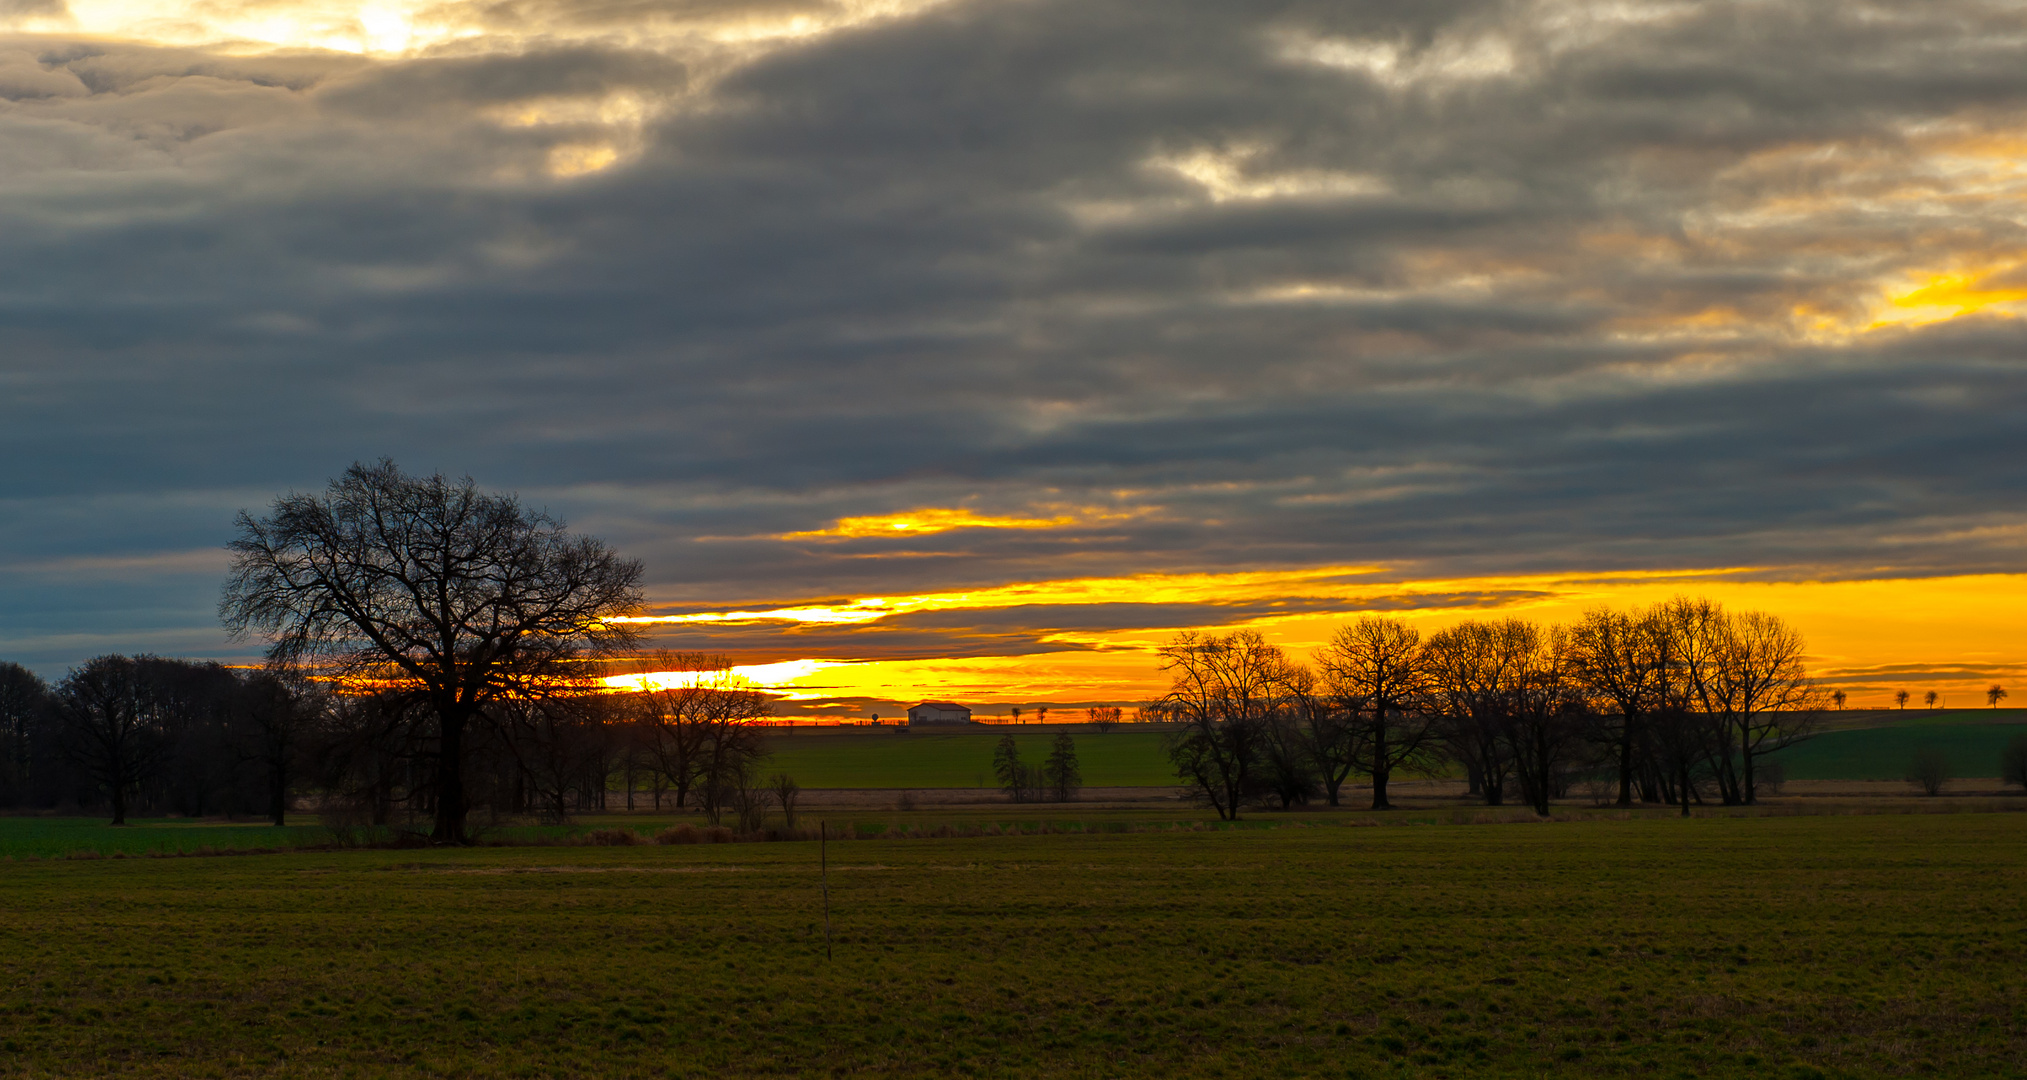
(940, 705)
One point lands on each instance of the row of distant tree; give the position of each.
(1680, 703)
(146, 735)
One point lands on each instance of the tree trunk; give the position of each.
(278, 795)
(1380, 768)
(1626, 759)
(450, 780)
(119, 804)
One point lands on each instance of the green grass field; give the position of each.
(1787, 947)
(1970, 739)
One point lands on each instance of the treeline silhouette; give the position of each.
(1679, 703)
(147, 735)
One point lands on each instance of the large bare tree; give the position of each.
(1374, 667)
(455, 596)
(113, 728)
(1623, 660)
(1224, 690)
(1472, 671)
(699, 716)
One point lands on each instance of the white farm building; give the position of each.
(938, 712)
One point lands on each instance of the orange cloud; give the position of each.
(1948, 296)
(929, 519)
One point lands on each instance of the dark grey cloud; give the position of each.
(1455, 287)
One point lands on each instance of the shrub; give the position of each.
(685, 833)
(613, 838)
(2013, 761)
(1929, 770)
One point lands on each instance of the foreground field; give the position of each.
(1791, 947)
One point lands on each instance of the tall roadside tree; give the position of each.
(1375, 669)
(453, 596)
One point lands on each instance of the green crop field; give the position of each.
(896, 759)
(1884, 753)
(1971, 741)
(1786, 947)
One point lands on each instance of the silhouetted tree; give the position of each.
(458, 597)
(1223, 691)
(1473, 671)
(1546, 722)
(786, 792)
(1373, 668)
(111, 729)
(1995, 694)
(1016, 777)
(2013, 761)
(1838, 698)
(1743, 674)
(1624, 661)
(1326, 731)
(1060, 773)
(24, 701)
(1900, 699)
(272, 715)
(1929, 770)
(1102, 717)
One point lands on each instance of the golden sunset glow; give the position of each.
(779, 677)
(1948, 296)
(929, 520)
(1867, 636)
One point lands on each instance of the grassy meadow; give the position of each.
(1791, 947)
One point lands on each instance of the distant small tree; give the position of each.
(1929, 770)
(1041, 714)
(2013, 761)
(1929, 699)
(1016, 711)
(748, 795)
(786, 792)
(1838, 698)
(1900, 699)
(1103, 717)
(1006, 764)
(1995, 694)
(1060, 774)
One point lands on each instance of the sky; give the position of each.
(971, 349)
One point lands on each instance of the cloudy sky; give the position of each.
(983, 344)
